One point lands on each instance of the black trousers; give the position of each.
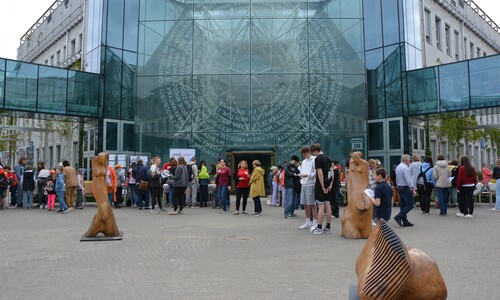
(155, 196)
(466, 200)
(425, 199)
(42, 199)
(257, 204)
(179, 197)
(334, 201)
(242, 192)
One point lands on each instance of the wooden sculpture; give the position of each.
(104, 219)
(357, 216)
(387, 270)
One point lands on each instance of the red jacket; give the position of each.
(464, 179)
(12, 179)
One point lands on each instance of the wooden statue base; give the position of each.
(101, 238)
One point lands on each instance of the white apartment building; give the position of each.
(457, 30)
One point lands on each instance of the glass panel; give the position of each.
(325, 55)
(278, 99)
(128, 93)
(167, 47)
(279, 46)
(414, 138)
(422, 91)
(130, 25)
(215, 9)
(395, 137)
(166, 10)
(376, 136)
(484, 78)
(159, 144)
(221, 103)
(166, 99)
(83, 94)
(393, 92)
(390, 24)
(128, 137)
(279, 9)
(253, 141)
(375, 83)
(373, 24)
(21, 86)
(422, 139)
(52, 87)
(221, 47)
(209, 146)
(111, 136)
(350, 92)
(115, 23)
(2, 80)
(112, 84)
(454, 86)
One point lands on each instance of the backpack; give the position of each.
(421, 178)
(190, 172)
(50, 186)
(4, 182)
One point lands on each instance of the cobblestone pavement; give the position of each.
(207, 255)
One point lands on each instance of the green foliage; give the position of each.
(454, 127)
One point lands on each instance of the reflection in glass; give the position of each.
(2, 78)
(422, 91)
(395, 137)
(484, 85)
(21, 85)
(376, 136)
(52, 90)
(130, 25)
(115, 23)
(454, 86)
(83, 94)
(111, 136)
(112, 84)
(391, 21)
(154, 10)
(373, 24)
(128, 137)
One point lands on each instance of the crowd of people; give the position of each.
(313, 183)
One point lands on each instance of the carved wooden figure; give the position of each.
(387, 270)
(357, 216)
(104, 220)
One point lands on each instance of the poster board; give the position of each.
(135, 158)
(188, 153)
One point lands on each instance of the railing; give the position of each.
(40, 21)
(482, 14)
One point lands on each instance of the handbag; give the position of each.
(110, 189)
(144, 185)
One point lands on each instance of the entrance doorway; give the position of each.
(267, 160)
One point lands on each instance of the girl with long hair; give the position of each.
(466, 182)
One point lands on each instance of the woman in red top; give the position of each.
(224, 185)
(466, 183)
(242, 178)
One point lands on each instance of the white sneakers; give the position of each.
(469, 217)
(495, 209)
(314, 225)
(461, 215)
(307, 224)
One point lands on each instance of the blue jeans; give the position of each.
(224, 197)
(171, 194)
(142, 196)
(290, 198)
(497, 200)
(62, 204)
(406, 200)
(28, 199)
(442, 195)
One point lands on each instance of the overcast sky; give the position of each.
(17, 16)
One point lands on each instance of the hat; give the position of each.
(60, 164)
(52, 171)
(295, 157)
(273, 168)
(81, 170)
(118, 166)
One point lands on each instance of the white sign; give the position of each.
(135, 158)
(187, 153)
(112, 160)
(357, 144)
(122, 160)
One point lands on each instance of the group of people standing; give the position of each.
(62, 182)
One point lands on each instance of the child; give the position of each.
(13, 186)
(80, 189)
(50, 190)
(4, 185)
(60, 189)
(383, 196)
(28, 187)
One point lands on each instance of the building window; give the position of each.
(422, 139)
(438, 33)
(478, 52)
(428, 26)
(66, 2)
(73, 47)
(484, 53)
(64, 53)
(465, 48)
(471, 47)
(447, 39)
(457, 47)
(415, 138)
(80, 42)
(52, 60)
(46, 62)
(58, 56)
(58, 153)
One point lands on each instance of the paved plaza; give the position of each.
(205, 255)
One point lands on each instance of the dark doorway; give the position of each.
(266, 158)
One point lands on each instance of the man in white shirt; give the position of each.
(308, 179)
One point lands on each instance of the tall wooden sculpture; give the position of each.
(357, 216)
(387, 270)
(104, 220)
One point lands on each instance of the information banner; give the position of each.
(186, 152)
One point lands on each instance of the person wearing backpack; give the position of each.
(50, 190)
(441, 175)
(28, 187)
(192, 188)
(425, 176)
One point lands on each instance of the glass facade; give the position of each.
(459, 86)
(43, 89)
(250, 75)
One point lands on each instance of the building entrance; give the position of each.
(266, 158)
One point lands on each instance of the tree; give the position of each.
(494, 135)
(455, 127)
